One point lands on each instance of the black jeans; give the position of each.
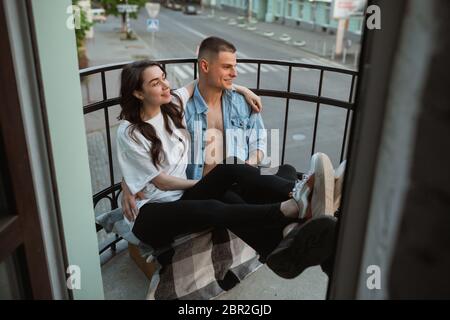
(237, 194)
(200, 208)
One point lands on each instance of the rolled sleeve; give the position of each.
(257, 135)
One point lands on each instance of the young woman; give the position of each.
(153, 149)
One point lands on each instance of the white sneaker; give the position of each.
(302, 195)
(338, 184)
(322, 201)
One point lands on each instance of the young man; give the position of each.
(220, 122)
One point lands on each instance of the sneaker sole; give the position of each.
(338, 184)
(309, 245)
(322, 201)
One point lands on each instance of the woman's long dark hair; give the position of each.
(131, 80)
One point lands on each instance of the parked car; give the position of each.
(98, 15)
(190, 9)
(177, 6)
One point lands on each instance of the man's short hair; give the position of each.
(212, 46)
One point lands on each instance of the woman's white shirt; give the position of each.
(136, 163)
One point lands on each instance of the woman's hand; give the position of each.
(252, 99)
(129, 208)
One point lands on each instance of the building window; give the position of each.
(289, 9)
(327, 13)
(300, 10)
(278, 8)
(360, 25)
(313, 12)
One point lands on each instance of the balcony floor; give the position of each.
(122, 279)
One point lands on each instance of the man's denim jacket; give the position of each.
(244, 130)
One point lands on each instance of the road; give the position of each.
(179, 36)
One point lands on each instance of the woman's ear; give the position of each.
(138, 95)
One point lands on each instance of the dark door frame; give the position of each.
(21, 233)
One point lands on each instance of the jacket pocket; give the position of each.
(239, 123)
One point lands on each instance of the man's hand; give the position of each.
(255, 158)
(129, 202)
(253, 100)
(252, 161)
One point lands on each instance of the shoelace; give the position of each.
(299, 183)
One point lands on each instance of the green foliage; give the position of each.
(80, 35)
(110, 6)
(85, 25)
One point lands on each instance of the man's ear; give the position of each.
(138, 95)
(204, 65)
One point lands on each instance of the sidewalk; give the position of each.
(317, 43)
(107, 47)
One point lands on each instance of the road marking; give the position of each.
(320, 62)
(183, 27)
(248, 67)
(240, 70)
(264, 69)
(242, 55)
(313, 61)
(272, 68)
(298, 137)
(302, 61)
(188, 69)
(180, 72)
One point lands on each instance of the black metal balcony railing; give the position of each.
(113, 191)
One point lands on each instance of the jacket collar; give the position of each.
(199, 102)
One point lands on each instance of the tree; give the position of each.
(110, 7)
(80, 36)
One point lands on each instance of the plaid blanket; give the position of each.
(197, 266)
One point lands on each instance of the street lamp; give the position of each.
(212, 4)
(127, 19)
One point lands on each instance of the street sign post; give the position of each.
(342, 11)
(152, 25)
(212, 3)
(152, 9)
(127, 8)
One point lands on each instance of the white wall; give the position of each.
(62, 92)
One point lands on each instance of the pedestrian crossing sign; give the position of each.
(152, 25)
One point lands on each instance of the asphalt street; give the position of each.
(180, 34)
(178, 37)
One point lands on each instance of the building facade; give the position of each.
(307, 14)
